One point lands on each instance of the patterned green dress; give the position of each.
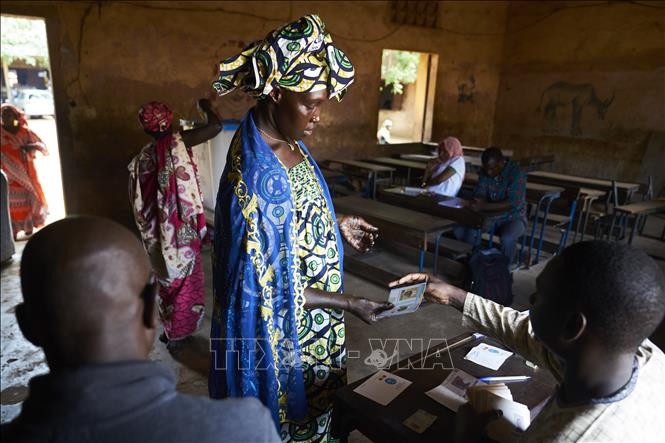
(321, 331)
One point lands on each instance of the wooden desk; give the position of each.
(330, 174)
(541, 196)
(473, 161)
(627, 189)
(429, 204)
(333, 178)
(534, 191)
(535, 162)
(374, 172)
(384, 423)
(586, 197)
(478, 151)
(637, 211)
(422, 158)
(400, 163)
(398, 224)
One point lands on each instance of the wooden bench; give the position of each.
(470, 150)
(454, 249)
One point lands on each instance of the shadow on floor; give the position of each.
(192, 352)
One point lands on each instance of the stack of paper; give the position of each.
(460, 387)
(487, 397)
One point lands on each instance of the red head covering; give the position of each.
(20, 116)
(155, 117)
(452, 146)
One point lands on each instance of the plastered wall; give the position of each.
(108, 58)
(586, 83)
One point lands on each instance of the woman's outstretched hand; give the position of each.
(357, 232)
(367, 310)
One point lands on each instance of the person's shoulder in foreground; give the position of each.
(89, 300)
(176, 418)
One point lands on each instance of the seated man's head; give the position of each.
(88, 295)
(493, 161)
(598, 294)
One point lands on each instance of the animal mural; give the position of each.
(577, 96)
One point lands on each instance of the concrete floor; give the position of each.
(20, 361)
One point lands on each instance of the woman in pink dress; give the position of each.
(168, 210)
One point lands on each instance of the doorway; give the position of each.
(406, 96)
(26, 84)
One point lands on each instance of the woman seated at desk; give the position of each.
(444, 175)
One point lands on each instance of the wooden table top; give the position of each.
(645, 207)
(406, 218)
(590, 192)
(544, 188)
(364, 165)
(583, 181)
(426, 371)
(476, 151)
(454, 208)
(423, 158)
(399, 162)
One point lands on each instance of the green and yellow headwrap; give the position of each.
(299, 57)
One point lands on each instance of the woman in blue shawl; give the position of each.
(278, 320)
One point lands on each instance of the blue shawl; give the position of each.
(258, 285)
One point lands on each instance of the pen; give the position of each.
(506, 379)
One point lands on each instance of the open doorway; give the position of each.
(406, 96)
(26, 84)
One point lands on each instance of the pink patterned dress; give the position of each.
(168, 209)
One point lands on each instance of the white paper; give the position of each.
(515, 416)
(452, 392)
(455, 203)
(413, 191)
(383, 387)
(406, 299)
(488, 356)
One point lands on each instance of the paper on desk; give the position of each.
(383, 387)
(453, 203)
(452, 392)
(515, 416)
(413, 191)
(488, 356)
